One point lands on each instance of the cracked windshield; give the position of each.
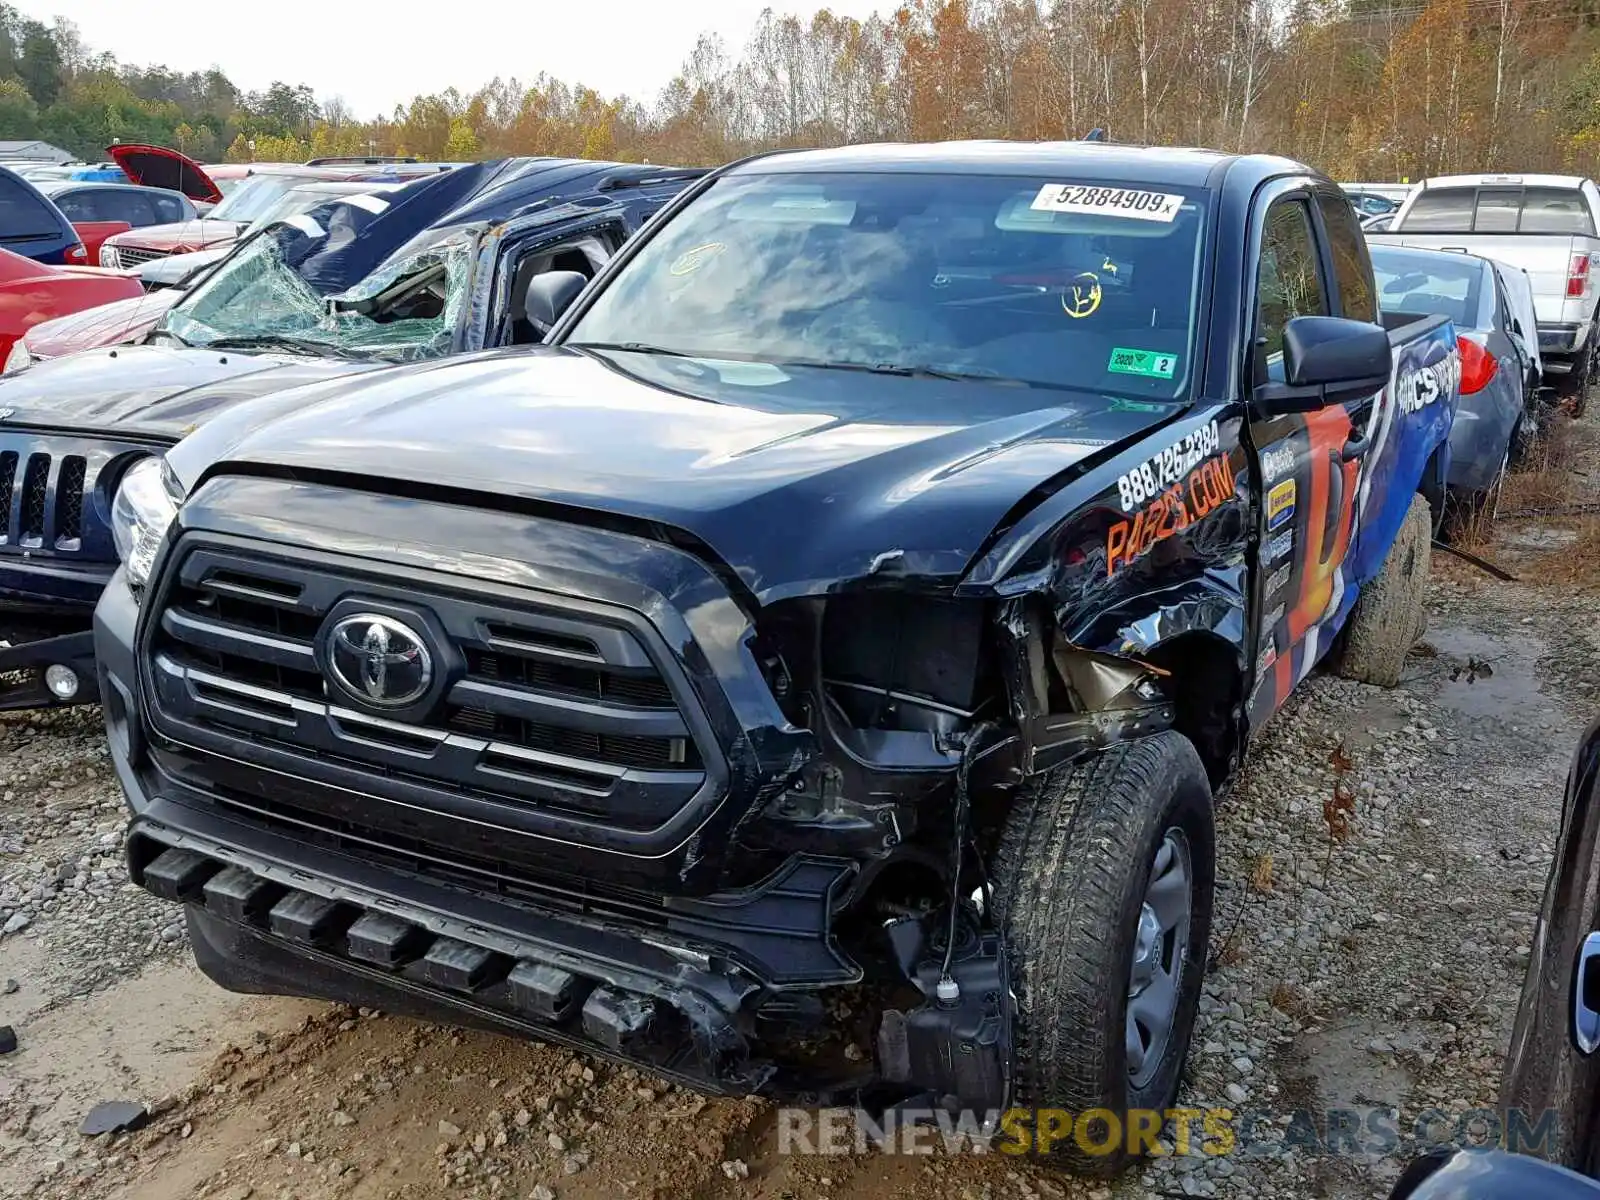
(406, 309)
(1014, 279)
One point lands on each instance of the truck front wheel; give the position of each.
(1388, 616)
(1103, 886)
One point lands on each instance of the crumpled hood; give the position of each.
(153, 391)
(799, 480)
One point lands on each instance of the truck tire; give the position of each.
(1388, 618)
(1581, 378)
(1096, 966)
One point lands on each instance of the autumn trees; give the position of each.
(1362, 88)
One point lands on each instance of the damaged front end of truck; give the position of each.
(747, 841)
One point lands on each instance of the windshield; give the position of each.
(253, 197)
(1055, 282)
(406, 309)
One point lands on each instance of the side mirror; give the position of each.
(1327, 360)
(550, 295)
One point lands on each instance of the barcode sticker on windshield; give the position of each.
(363, 200)
(1107, 201)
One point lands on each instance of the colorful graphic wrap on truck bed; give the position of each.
(1327, 523)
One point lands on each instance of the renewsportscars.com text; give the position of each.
(1356, 1133)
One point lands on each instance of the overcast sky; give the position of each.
(377, 55)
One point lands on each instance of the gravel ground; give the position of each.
(1383, 856)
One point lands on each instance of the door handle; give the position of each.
(1356, 447)
(1586, 996)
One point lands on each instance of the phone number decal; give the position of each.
(1204, 490)
(1167, 466)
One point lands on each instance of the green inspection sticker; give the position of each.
(1142, 362)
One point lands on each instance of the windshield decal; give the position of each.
(1151, 363)
(1108, 202)
(691, 261)
(1083, 295)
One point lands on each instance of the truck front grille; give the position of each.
(28, 483)
(133, 256)
(547, 707)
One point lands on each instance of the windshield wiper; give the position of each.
(635, 347)
(905, 370)
(280, 341)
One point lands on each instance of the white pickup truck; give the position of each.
(1545, 224)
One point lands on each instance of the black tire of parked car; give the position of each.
(1070, 877)
(1388, 615)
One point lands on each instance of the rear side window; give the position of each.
(1500, 209)
(129, 206)
(22, 214)
(169, 209)
(1351, 268)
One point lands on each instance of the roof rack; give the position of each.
(631, 179)
(371, 160)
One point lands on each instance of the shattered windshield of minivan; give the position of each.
(406, 309)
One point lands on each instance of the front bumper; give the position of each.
(45, 608)
(27, 662)
(690, 987)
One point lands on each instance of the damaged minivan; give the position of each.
(810, 672)
(364, 281)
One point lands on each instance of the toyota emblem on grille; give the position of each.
(379, 660)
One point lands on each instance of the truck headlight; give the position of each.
(109, 257)
(146, 502)
(17, 359)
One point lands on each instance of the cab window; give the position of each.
(1352, 268)
(1288, 283)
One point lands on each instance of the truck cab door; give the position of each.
(1309, 463)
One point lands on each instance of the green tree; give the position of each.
(40, 64)
(462, 143)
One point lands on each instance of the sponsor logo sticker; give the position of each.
(1277, 581)
(1277, 462)
(1280, 546)
(1280, 504)
(1273, 617)
(1269, 654)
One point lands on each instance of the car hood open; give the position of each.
(822, 477)
(159, 392)
(157, 166)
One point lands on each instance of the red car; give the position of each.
(32, 292)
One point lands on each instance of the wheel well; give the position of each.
(1207, 689)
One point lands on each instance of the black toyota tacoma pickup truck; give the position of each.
(809, 673)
